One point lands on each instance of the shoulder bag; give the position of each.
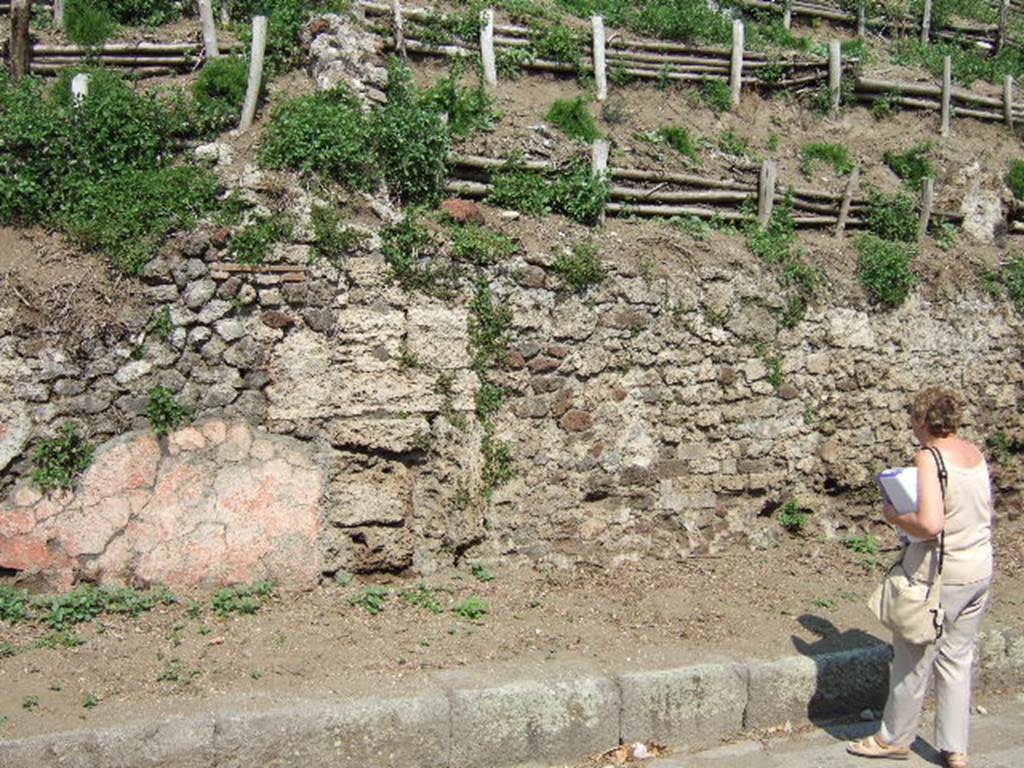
(911, 609)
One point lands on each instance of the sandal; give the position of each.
(954, 759)
(871, 747)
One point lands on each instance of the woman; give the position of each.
(966, 516)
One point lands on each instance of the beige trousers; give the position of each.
(951, 657)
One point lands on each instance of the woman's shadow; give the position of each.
(852, 675)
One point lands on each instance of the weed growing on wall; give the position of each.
(573, 118)
(412, 254)
(1013, 281)
(164, 411)
(332, 240)
(476, 244)
(58, 461)
(792, 517)
(884, 269)
(911, 165)
(253, 244)
(580, 268)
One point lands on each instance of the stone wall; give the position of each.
(660, 414)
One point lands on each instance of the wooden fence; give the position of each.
(144, 58)
(991, 35)
(751, 196)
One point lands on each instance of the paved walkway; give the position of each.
(998, 742)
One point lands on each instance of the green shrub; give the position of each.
(423, 597)
(513, 186)
(573, 118)
(678, 137)
(731, 142)
(469, 109)
(490, 323)
(372, 599)
(326, 133)
(129, 215)
(558, 42)
(472, 608)
(1015, 178)
(791, 516)
(285, 19)
(716, 95)
(773, 242)
(332, 239)
(892, 217)
(88, 22)
(864, 544)
(577, 193)
(1013, 281)
(411, 141)
(912, 165)
(884, 106)
(59, 460)
(481, 246)
(242, 598)
(884, 269)
(835, 155)
(412, 252)
(219, 92)
(164, 411)
(580, 268)
(13, 605)
(254, 243)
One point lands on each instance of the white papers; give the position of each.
(899, 486)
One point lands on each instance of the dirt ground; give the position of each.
(803, 595)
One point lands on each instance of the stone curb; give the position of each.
(470, 720)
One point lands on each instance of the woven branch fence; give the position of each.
(659, 60)
(752, 197)
(143, 58)
(990, 35)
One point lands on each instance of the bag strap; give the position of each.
(943, 482)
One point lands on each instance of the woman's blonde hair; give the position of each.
(939, 408)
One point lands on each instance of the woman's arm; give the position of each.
(930, 518)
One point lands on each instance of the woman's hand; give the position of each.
(890, 514)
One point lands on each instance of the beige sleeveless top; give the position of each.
(969, 516)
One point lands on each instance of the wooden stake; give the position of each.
(225, 12)
(835, 73)
(926, 22)
(844, 205)
(600, 71)
(487, 47)
(862, 19)
(927, 193)
(79, 88)
(21, 45)
(252, 92)
(599, 152)
(1004, 21)
(1008, 101)
(209, 29)
(399, 27)
(787, 15)
(58, 14)
(766, 192)
(736, 65)
(947, 90)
